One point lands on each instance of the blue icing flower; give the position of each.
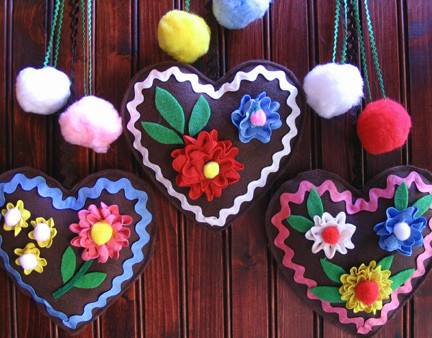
(256, 118)
(401, 231)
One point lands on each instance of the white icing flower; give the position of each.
(331, 234)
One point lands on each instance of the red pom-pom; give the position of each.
(367, 292)
(383, 126)
(331, 235)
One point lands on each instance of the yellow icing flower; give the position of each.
(365, 288)
(43, 232)
(15, 217)
(29, 258)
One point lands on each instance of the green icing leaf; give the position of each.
(161, 134)
(314, 204)
(333, 271)
(386, 263)
(401, 278)
(68, 264)
(328, 293)
(170, 109)
(300, 223)
(423, 205)
(200, 116)
(401, 197)
(91, 280)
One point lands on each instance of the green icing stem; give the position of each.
(69, 285)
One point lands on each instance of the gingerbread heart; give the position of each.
(75, 252)
(354, 256)
(213, 147)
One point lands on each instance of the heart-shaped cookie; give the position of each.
(354, 256)
(213, 147)
(75, 252)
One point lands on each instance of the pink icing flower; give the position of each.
(101, 232)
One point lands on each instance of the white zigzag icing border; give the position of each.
(209, 89)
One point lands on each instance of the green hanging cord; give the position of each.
(187, 5)
(53, 29)
(83, 19)
(362, 50)
(87, 36)
(374, 50)
(59, 28)
(90, 31)
(345, 40)
(336, 29)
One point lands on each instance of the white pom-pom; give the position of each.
(28, 261)
(12, 217)
(402, 231)
(42, 232)
(91, 122)
(333, 89)
(42, 91)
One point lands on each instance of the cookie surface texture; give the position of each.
(75, 251)
(213, 147)
(355, 257)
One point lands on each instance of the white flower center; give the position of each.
(402, 231)
(12, 217)
(28, 261)
(42, 232)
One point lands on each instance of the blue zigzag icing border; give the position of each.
(112, 187)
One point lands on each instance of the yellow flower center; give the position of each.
(211, 170)
(101, 233)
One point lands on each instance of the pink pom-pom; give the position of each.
(383, 126)
(91, 122)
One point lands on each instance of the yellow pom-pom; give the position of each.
(101, 233)
(211, 170)
(183, 35)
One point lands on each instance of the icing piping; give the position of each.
(359, 205)
(113, 187)
(210, 91)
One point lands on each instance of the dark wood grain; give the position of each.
(335, 149)
(6, 308)
(29, 133)
(249, 270)
(291, 31)
(420, 107)
(112, 75)
(202, 284)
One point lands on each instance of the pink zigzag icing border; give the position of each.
(359, 205)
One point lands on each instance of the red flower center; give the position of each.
(367, 292)
(331, 235)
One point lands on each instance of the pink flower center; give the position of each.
(331, 235)
(101, 232)
(367, 292)
(258, 118)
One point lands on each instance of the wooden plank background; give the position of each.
(200, 284)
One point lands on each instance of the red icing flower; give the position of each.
(206, 165)
(101, 232)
